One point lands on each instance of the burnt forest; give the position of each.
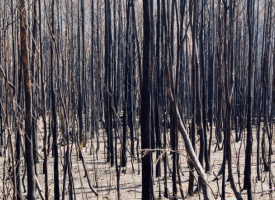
(137, 99)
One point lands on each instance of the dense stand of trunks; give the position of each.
(145, 72)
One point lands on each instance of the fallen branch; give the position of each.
(84, 166)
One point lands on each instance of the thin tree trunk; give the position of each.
(28, 105)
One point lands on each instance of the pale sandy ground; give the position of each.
(130, 182)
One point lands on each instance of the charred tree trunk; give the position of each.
(247, 177)
(145, 117)
(28, 104)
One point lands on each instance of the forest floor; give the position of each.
(103, 176)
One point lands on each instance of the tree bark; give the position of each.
(145, 117)
(28, 105)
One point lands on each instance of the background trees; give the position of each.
(113, 83)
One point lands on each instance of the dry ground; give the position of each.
(130, 182)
